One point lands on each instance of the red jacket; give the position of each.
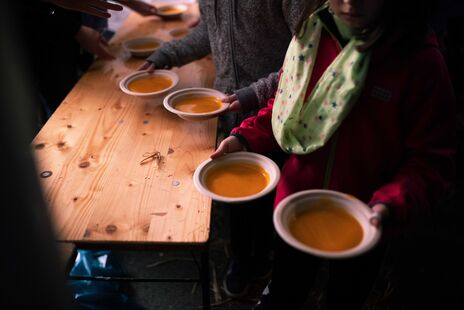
(397, 144)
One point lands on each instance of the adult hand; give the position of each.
(93, 42)
(380, 214)
(93, 7)
(234, 104)
(140, 7)
(229, 145)
(148, 65)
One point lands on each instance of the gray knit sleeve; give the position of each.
(295, 11)
(257, 94)
(180, 52)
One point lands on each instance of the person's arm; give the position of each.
(180, 52)
(428, 166)
(93, 42)
(256, 95)
(93, 7)
(142, 8)
(256, 132)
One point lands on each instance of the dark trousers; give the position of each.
(350, 280)
(251, 229)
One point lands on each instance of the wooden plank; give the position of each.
(93, 145)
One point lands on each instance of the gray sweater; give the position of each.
(247, 39)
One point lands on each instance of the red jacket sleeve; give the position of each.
(257, 131)
(430, 144)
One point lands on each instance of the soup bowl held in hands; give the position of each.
(149, 85)
(179, 32)
(195, 104)
(143, 46)
(326, 223)
(236, 177)
(173, 11)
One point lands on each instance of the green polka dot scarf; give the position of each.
(300, 126)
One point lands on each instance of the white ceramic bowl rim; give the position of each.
(266, 163)
(127, 44)
(126, 80)
(169, 100)
(181, 7)
(371, 234)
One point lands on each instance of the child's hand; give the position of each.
(228, 145)
(93, 42)
(234, 104)
(380, 214)
(148, 65)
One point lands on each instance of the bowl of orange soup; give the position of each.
(326, 223)
(148, 85)
(142, 47)
(171, 11)
(195, 104)
(236, 177)
(179, 32)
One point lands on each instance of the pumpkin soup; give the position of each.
(180, 33)
(198, 104)
(326, 227)
(169, 10)
(149, 84)
(237, 179)
(145, 46)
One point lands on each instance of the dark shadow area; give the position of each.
(29, 265)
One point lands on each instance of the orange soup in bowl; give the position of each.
(178, 33)
(169, 10)
(145, 46)
(198, 104)
(326, 227)
(149, 84)
(237, 179)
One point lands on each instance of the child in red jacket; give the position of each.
(364, 106)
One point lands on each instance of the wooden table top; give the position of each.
(98, 191)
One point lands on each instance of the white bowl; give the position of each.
(179, 32)
(170, 100)
(180, 8)
(302, 201)
(243, 157)
(138, 52)
(126, 80)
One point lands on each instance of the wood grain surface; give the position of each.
(98, 191)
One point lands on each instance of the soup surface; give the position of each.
(198, 104)
(169, 10)
(238, 179)
(144, 46)
(326, 227)
(149, 84)
(180, 33)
